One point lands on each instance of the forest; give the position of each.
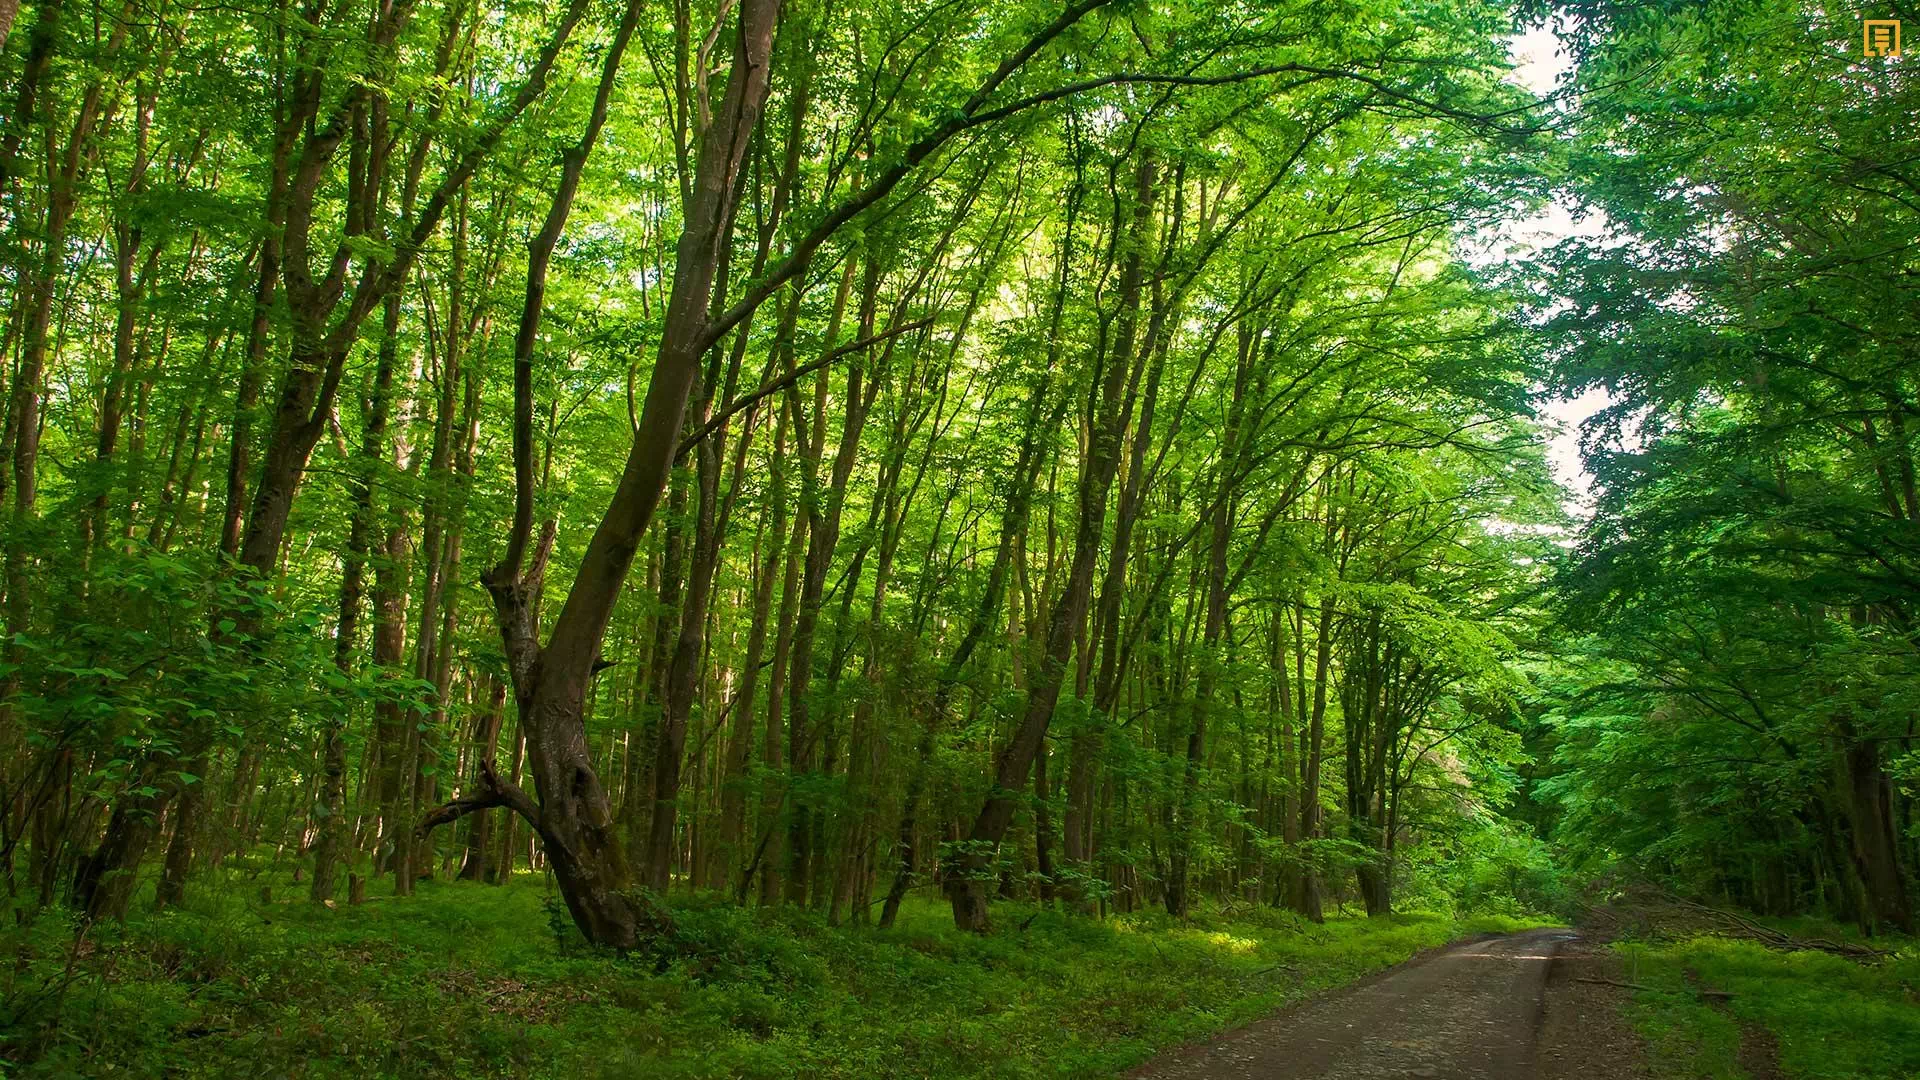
(938, 538)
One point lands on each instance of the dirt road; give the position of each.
(1472, 1011)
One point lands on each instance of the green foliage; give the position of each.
(1735, 678)
(1487, 865)
(130, 671)
(1833, 1019)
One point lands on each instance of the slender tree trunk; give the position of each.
(773, 543)
(475, 864)
(1309, 902)
(967, 878)
(822, 510)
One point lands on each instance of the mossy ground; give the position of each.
(467, 980)
(1831, 1018)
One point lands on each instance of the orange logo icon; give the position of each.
(1880, 37)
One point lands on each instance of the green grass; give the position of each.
(473, 981)
(1833, 1019)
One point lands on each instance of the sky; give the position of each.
(1540, 63)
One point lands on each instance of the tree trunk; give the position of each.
(1876, 848)
(573, 817)
(474, 865)
(970, 872)
(1309, 903)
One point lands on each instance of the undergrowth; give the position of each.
(467, 980)
(1832, 1018)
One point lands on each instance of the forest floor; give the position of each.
(473, 981)
(470, 981)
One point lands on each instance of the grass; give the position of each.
(474, 981)
(1833, 1019)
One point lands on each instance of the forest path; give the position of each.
(1470, 1011)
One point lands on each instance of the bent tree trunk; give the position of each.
(551, 681)
(574, 817)
(104, 881)
(575, 821)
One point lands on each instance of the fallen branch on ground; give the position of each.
(1657, 989)
(1654, 911)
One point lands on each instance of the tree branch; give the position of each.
(777, 385)
(493, 792)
